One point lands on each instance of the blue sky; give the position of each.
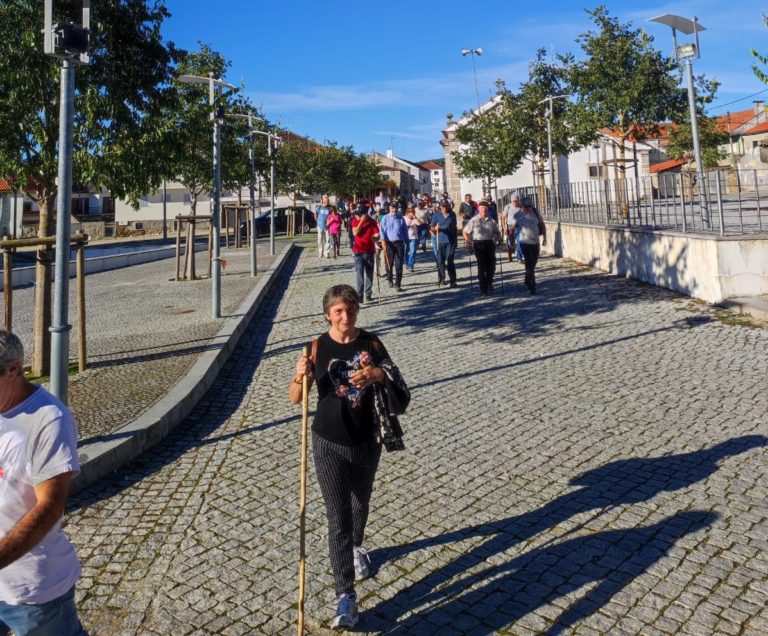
(370, 73)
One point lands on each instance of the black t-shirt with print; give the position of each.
(344, 414)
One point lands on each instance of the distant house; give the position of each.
(402, 177)
(437, 176)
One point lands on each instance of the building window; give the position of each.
(187, 198)
(80, 207)
(107, 205)
(595, 171)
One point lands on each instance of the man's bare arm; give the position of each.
(32, 527)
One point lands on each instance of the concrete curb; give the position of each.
(756, 307)
(99, 458)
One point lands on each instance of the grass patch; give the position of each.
(72, 370)
(739, 320)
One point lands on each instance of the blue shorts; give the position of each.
(54, 618)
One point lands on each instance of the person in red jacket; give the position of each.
(365, 232)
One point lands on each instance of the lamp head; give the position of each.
(478, 51)
(465, 52)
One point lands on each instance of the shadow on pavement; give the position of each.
(501, 594)
(195, 430)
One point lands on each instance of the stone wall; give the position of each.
(710, 268)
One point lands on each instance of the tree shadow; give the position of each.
(196, 430)
(623, 482)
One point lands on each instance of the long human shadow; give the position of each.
(623, 482)
(607, 561)
(234, 378)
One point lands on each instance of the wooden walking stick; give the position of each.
(501, 269)
(303, 493)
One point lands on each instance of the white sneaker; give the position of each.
(346, 612)
(362, 561)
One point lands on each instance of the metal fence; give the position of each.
(728, 202)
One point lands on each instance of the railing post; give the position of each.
(8, 287)
(720, 203)
(80, 267)
(757, 194)
(682, 202)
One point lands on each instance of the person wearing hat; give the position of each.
(508, 224)
(481, 233)
(365, 231)
(531, 227)
(444, 230)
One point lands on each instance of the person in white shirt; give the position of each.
(38, 459)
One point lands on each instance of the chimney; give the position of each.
(390, 154)
(759, 106)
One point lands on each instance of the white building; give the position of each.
(437, 177)
(583, 168)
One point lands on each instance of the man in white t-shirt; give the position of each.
(38, 459)
(321, 217)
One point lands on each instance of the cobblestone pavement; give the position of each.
(590, 460)
(144, 332)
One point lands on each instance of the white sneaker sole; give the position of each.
(340, 623)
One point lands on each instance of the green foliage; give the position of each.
(762, 58)
(119, 98)
(628, 85)
(500, 139)
(712, 134)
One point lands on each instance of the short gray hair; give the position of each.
(11, 349)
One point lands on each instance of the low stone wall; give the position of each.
(95, 230)
(707, 267)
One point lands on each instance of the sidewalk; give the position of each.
(145, 334)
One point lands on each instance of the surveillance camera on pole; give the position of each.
(69, 43)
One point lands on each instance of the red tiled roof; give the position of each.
(431, 165)
(5, 186)
(732, 121)
(760, 128)
(663, 166)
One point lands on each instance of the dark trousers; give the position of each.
(531, 257)
(395, 258)
(345, 475)
(445, 254)
(485, 251)
(364, 274)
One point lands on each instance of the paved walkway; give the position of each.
(588, 460)
(144, 332)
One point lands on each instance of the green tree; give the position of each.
(628, 84)
(712, 133)
(298, 168)
(118, 132)
(762, 58)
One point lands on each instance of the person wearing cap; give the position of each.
(531, 227)
(481, 233)
(365, 231)
(445, 233)
(394, 235)
(513, 235)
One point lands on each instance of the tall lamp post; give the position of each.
(472, 53)
(549, 114)
(69, 43)
(276, 139)
(687, 52)
(217, 115)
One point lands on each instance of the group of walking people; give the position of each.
(385, 238)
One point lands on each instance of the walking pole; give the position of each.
(387, 264)
(378, 278)
(303, 493)
(501, 269)
(469, 256)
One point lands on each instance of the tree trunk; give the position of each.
(542, 186)
(189, 266)
(41, 336)
(622, 179)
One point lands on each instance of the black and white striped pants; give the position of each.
(345, 475)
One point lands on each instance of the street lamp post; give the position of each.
(472, 53)
(270, 138)
(687, 52)
(549, 114)
(216, 117)
(69, 43)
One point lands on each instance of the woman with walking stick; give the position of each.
(360, 392)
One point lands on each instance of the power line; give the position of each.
(736, 100)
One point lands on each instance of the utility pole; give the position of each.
(69, 43)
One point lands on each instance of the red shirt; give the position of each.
(364, 243)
